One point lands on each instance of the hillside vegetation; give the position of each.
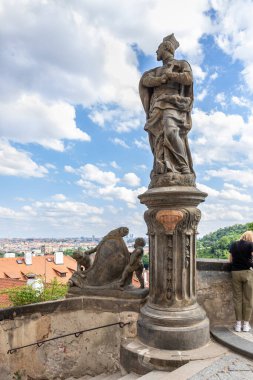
(216, 244)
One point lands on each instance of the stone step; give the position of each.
(190, 369)
(102, 376)
(156, 375)
(130, 376)
(85, 377)
(114, 376)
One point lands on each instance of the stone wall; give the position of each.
(91, 353)
(215, 290)
(97, 351)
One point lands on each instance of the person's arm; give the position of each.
(182, 78)
(150, 80)
(90, 251)
(230, 253)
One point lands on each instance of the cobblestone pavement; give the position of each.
(229, 367)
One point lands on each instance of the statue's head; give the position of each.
(139, 242)
(167, 47)
(121, 231)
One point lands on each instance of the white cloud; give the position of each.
(244, 177)
(120, 142)
(242, 102)
(122, 193)
(61, 218)
(65, 208)
(201, 95)
(18, 163)
(7, 213)
(114, 165)
(141, 167)
(81, 73)
(207, 189)
(214, 75)
(86, 71)
(50, 166)
(221, 99)
(198, 73)
(59, 197)
(131, 179)
(90, 172)
(221, 138)
(234, 30)
(218, 211)
(142, 143)
(117, 118)
(97, 183)
(69, 169)
(31, 120)
(229, 192)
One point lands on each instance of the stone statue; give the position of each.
(167, 97)
(83, 259)
(135, 264)
(111, 258)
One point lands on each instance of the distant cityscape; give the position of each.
(41, 246)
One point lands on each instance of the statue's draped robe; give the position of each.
(172, 102)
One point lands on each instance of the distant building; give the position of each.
(10, 254)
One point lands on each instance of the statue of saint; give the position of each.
(167, 97)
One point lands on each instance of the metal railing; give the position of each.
(76, 334)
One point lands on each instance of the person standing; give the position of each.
(241, 258)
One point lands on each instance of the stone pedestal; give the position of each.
(172, 318)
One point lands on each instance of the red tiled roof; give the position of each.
(40, 266)
(13, 275)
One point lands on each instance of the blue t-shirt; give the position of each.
(241, 252)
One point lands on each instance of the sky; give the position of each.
(73, 152)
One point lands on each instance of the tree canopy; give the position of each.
(216, 244)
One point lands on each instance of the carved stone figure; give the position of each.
(135, 264)
(83, 259)
(111, 258)
(167, 97)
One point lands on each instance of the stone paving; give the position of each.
(243, 335)
(239, 342)
(227, 368)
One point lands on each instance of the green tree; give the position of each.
(216, 244)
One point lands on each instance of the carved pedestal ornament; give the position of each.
(169, 219)
(172, 318)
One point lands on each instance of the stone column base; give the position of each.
(167, 338)
(182, 329)
(141, 359)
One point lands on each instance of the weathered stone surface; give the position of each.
(140, 358)
(215, 295)
(167, 97)
(172, 318)
(229, 367)
(111, 258)
(91, 353)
